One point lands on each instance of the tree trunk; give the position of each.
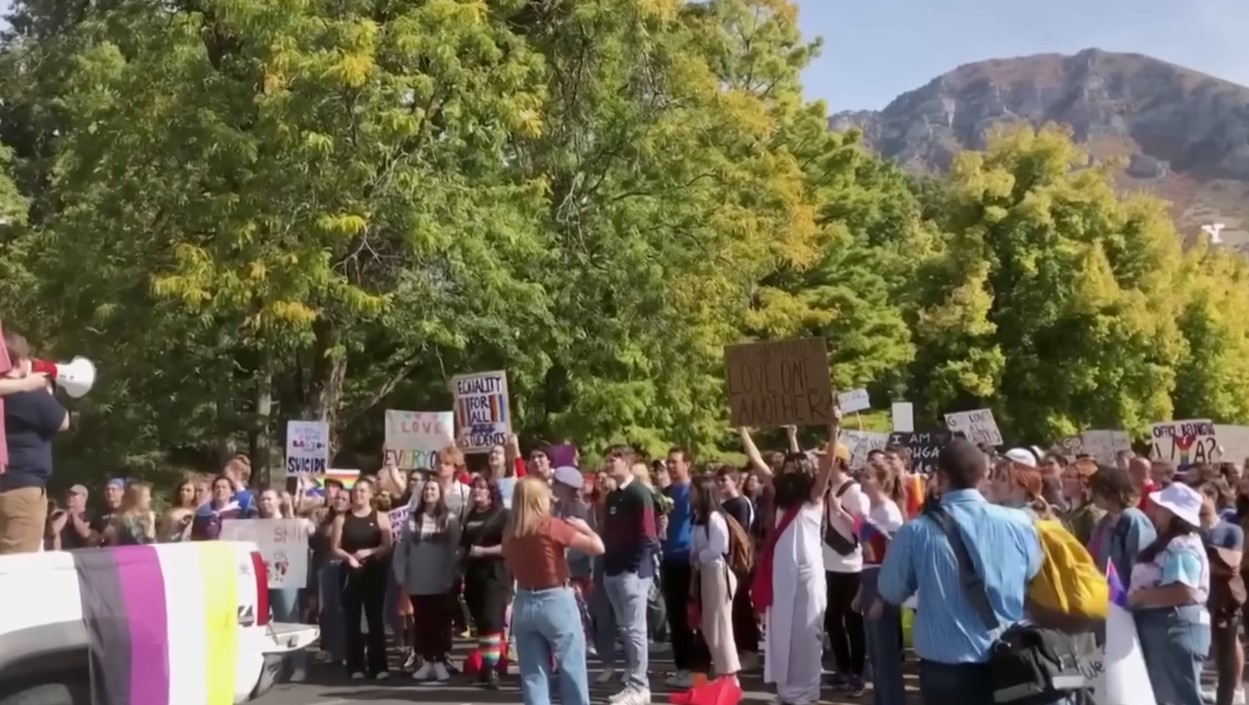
(329, 369)
(261, 436)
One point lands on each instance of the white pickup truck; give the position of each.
(178, 624)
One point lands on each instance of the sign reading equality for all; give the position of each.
(413, 438)
(778, 383)
(1184, 442)
(482, 415)
(307, 447)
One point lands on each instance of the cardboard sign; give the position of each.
(307, 447)
(483, 417)
(283, 543)
(977, 426)
(903, 413)
(1102, 446)
(779, 382)
(1184, 442)
(413, 438)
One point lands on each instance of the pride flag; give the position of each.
(143, 652)
(1123, 679)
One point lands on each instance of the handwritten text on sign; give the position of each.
(413, 438)
(977, 426)
(482, 416)
(283, 543)
(777, 383)
(1184, 442)
(307, 447)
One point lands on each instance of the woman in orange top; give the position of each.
(546, 621)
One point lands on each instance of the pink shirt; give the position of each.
(5, 366)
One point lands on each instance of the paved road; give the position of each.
(329, 686)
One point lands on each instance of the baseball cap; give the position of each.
(568, 475)
(117, 482)
(79, 489)
(1022, 456)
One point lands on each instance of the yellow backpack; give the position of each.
(1069, 583)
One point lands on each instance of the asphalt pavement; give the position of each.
(327, 685)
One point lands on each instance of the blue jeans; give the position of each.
(546, 624)
(628, 593)
(284, 604)
(1174, 642)
(884, 651)
(333, 629)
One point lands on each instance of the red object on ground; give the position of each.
(721, 691)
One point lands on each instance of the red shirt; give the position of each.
(1145, 492)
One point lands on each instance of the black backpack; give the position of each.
(842, 545)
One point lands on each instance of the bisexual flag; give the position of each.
(1118, 594)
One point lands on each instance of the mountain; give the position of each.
(1185, 135)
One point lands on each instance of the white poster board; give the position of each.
(903, 413)
(1103, 446)
(283, 543)
(977, 426)
(1234, 443)
(413, 438)
(307, 447)
(483, 416)
(398, 517)
(1184, 442)
(854, 400)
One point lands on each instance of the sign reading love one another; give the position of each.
(413, 438)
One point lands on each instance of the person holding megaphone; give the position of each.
(32, 417)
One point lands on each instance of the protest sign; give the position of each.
(1233, 443)
(977, 426)
(283, 544)
(924, 448)
(307, 447)
(1184, 442)
(854, 400)
(780, 382)
(398, 517)
(1103, 446)
(482, 416)
(903, 413)
(861, 443)
(413, 438)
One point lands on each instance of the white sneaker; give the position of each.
(605, 676)
(680, 679)
(424, 673)
(440, 673)
(409, 660)
(620, 697)
(1238, 698)
(357, 676)
(634, 696)
(382, 676)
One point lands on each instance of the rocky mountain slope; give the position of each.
(1185, 135)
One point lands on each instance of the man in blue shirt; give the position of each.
(689, 653)
(31, 419)
(949, 638)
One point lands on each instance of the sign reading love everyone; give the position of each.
(413, 438)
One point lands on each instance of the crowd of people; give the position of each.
(773, 566)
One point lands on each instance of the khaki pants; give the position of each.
(23, 514)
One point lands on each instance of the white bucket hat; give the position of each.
(1181, 500)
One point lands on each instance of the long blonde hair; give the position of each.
(531, 503)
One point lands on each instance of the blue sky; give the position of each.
(877, 49)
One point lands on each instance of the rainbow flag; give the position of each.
(143, 651)
(347, 477)
(1118, 595)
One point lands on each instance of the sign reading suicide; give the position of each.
(482, 415)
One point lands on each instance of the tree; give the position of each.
(1053, 301)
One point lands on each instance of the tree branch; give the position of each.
(408, 367)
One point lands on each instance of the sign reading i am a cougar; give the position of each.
(483, 417)
(413, 438)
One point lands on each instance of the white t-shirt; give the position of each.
(887, 516)
(855, 502)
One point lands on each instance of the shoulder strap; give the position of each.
(844, 486)
(973, 584)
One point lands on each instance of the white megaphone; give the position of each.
(76, 376)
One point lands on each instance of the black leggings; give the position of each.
(844, 624)
(365, 590)
(689, 651)
(486, 597)
(745, 626)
